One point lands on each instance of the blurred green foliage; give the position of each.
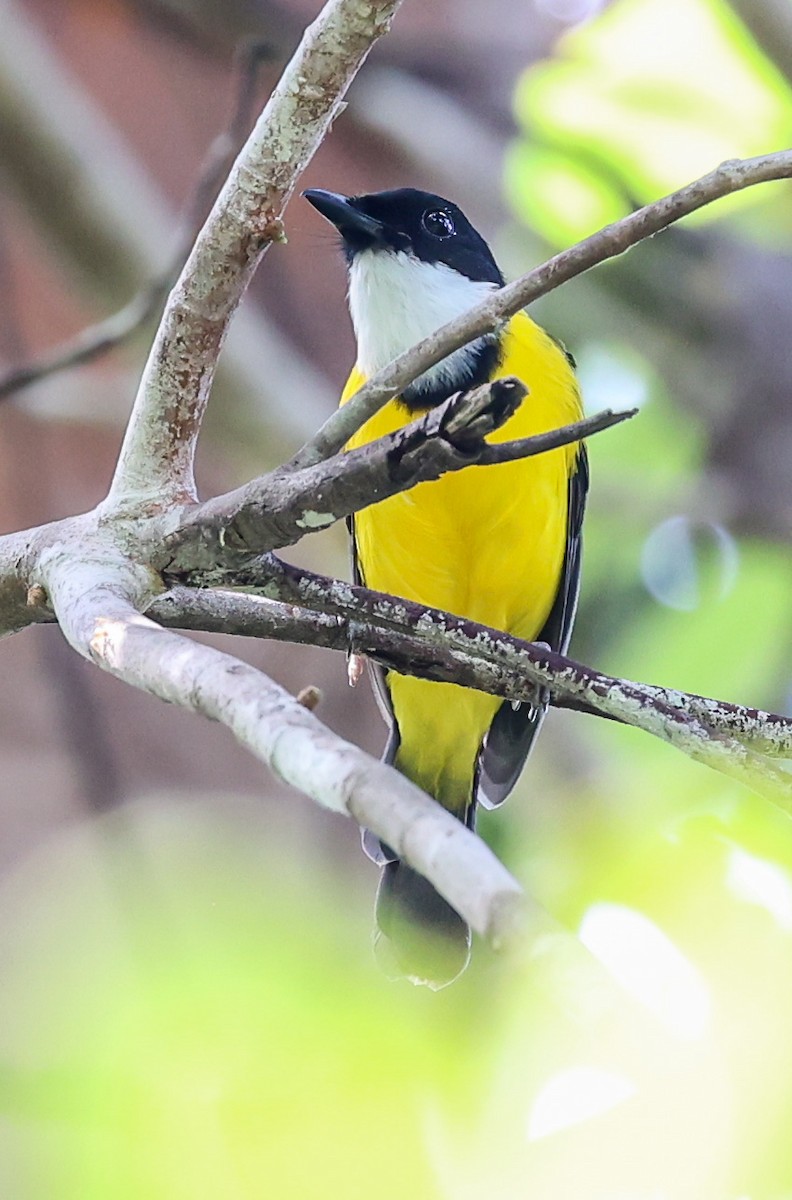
(639, 102)
(183, 1017)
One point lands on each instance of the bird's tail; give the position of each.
(419, 935)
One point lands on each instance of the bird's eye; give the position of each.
(439, 223)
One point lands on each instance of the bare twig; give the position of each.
(607, 243)
(89, 344)
(156, 462)
(116, 229)
(23, 601)
(540, 443)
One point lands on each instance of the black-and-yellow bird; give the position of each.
(497, 544)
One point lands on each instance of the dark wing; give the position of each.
(381, 693)
(373, 847)
(511, 734)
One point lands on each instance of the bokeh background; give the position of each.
(189, 1006)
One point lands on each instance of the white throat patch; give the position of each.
(397, 300)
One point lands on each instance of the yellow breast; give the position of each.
(485, 543)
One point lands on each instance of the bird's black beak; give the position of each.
(356, 227)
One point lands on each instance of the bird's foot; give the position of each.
(537, 696)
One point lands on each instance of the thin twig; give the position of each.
(90, 343)
(540, 443)
(607, 243)
(97, 339)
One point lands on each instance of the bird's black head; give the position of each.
(417, 223)
(415, 263)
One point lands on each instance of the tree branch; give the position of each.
(155, 467)
(417, 640)
(280, 508)
(607, 243)
(97, 605)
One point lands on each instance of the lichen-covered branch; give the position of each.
(417, 640)
(607, 243)
(155, 468)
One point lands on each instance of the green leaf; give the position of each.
(640, 101)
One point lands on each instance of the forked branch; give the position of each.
(155, 468)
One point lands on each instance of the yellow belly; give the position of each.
(485, 543)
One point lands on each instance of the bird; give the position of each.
(498, 544)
